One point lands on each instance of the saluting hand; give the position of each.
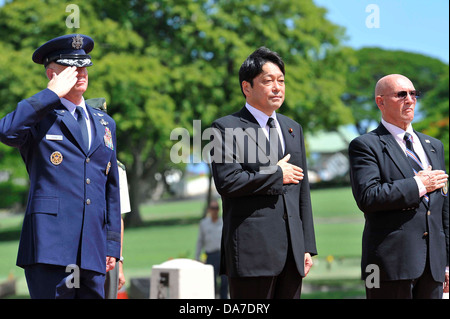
(292, 174)
(63, 82)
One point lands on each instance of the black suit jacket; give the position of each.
(398, 225)
(257, 207)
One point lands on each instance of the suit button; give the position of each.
(285, 216)
(425, 234)
(88, 201)
(88, 159)
(428, 213)
(88, 181)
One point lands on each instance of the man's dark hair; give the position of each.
(253, 65)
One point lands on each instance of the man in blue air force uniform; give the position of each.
(73, 212)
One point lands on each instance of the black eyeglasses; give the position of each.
(214, 207)
(402, 94)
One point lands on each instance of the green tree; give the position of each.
(24, 25)
(204, 42)
(436, 114)
(138, 97)
(163, 64)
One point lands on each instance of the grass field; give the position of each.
(170, 231)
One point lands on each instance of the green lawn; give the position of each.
(170, 231)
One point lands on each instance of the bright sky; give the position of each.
(409, 25)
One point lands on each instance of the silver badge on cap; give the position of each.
(77, 42)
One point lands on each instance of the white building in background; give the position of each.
(328, 154)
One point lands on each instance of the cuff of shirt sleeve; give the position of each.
(422, 189)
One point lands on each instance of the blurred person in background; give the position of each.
(209, 235)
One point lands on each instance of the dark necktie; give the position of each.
(274, 134)
(82, 122)
(413, 159)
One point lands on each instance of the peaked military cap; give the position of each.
(68, 50)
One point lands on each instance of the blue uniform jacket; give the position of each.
(73, 210)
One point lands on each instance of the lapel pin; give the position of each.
(427, 141)
(291, 131)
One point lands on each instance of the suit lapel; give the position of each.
(97, 128)
(431, 153)
(394, 151)
(250, 124)
(429, 149)
(71, 124)
(288, 136)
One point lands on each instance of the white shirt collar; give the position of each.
(260, 116)
(396, 131)
(71, 106)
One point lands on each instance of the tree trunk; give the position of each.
(133, 218)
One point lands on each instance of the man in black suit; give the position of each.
(399, 182)
(268, 233)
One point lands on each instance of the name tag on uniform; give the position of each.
(53, 137)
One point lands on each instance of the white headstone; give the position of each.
(182, 279)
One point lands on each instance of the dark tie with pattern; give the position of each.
(413, 159)
(274, 134)
(82, 122)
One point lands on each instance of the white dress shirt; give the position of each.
(398, 134)
(262, 118)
